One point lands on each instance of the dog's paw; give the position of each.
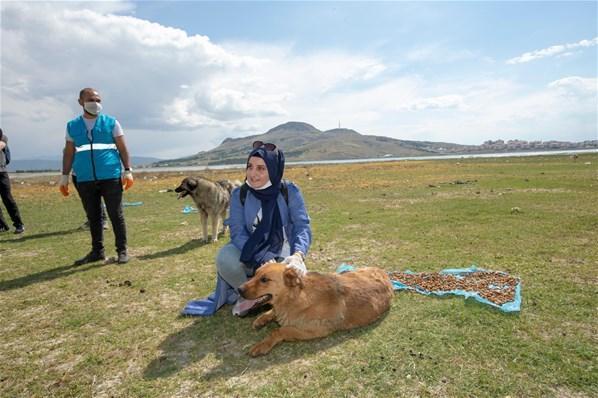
(260, 348)
(259, 323)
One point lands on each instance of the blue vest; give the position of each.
(98, 158)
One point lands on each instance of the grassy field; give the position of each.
(114, 331)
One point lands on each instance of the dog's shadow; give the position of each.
(226, 340)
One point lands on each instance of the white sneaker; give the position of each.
(242, 306)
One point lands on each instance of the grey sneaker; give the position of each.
(20, 229)
(122, 257)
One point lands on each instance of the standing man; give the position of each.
(9, 201)
(95, 147)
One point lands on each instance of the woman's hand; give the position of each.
(296, 261)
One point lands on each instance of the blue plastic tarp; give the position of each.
(511, 306)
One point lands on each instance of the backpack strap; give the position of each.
(284, 190)
(243, 193)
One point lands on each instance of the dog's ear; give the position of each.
(292, 278)
(192, 183)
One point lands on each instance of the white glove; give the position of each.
(296, 261)
(127, 180)
(63, 185)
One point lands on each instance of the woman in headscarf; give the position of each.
(270, 224)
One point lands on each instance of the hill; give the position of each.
(303, 142)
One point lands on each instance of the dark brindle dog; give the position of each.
(212, 200)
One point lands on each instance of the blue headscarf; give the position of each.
(266, 241)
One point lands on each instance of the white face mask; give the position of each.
(93, 107)
(266, 185)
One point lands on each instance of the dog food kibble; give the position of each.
(495, 287)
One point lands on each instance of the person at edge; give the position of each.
(95, 147)
(268, 227)
(5, 193)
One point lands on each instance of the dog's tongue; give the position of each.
(246, 305)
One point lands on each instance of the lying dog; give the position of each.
(212, 200)
(315, 305)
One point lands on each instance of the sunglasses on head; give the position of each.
(268, 146)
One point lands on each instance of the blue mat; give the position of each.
(511, 306)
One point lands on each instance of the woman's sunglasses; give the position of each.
(268, 146)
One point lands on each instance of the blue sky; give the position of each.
(182, 76)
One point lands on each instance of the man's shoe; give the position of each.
(4, 229)
(122, 257)
(90, 258)
(20, 229)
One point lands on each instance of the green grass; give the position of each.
(82, 331)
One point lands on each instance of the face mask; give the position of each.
(93, 107)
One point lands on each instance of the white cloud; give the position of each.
(582, 87)
(152, 77)
(560, 49)
(176, 94)
(438, 53)
(500, 109)
(440, 102)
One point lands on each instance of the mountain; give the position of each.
(303, 142)
(45, 164)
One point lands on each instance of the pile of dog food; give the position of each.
(497, 287)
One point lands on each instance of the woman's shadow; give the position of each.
(184, 248)
(228, 339)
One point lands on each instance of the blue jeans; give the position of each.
(233, 271)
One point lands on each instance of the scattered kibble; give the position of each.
(497, 287)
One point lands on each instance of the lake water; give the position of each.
(388, 159)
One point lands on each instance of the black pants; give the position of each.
(74, 177)
(91, 193)
(9, 203)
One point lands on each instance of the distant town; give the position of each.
(522, 145)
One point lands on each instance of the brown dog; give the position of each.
(315, 305)
(212, 200)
